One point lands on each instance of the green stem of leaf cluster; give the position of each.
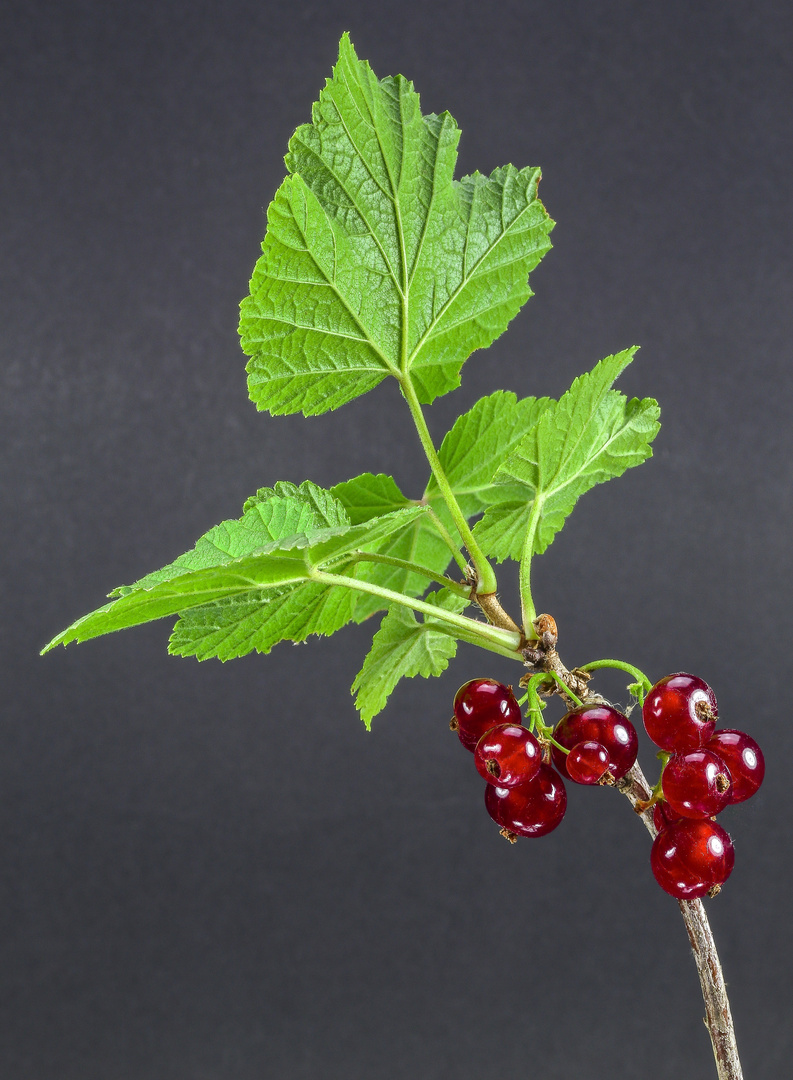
(414, 568)
(493, 638)
(445, 535)
(485, 575)
(529, 612)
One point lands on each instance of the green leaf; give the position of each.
(271, 514)
(593, 433)
(376, 261)
(403, 647)
(368, 496)
(241, 566)
(479, 442)
(254, 621)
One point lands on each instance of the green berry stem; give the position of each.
(544, 676)
(620, 665)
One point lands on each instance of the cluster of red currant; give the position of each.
(706, 770)
(525, 795)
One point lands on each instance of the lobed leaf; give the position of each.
(245, 568)
(272, 514)
(478, 443)
(403, 647)
(593, 433)
(376, 261)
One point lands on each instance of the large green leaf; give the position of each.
(376, 261)
(404, 646)
(593, 433)
(246, 566)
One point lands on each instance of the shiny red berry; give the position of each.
(481, 704)
(680, 712)
(587, 762)
(597, 723)
(690, 857)
(508, 755)
(532, 809)
(696, 784)
(744, 759)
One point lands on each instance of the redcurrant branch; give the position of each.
(635, 787)
(718, 1017)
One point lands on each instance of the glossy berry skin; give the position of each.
(508, 755)
(597, 723)
(696, 784)
(664, 816)
(587, 762)
(481, 704)
(680, 712)
(690, 857)
(532, 809)
(744, 759)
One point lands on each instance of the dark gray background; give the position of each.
(212, 872)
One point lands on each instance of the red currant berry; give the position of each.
(481, 704)
(664, 816)
(680, 712)
(587, 762)
(532, 809)
(597, 723)
(744, 759)
(689, 858)
(696, 784)
(508, 755)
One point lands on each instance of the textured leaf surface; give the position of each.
(478, 443)
(404, 646)
(593, 433)
(376, 261)
(254, 621)
(240, 566)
